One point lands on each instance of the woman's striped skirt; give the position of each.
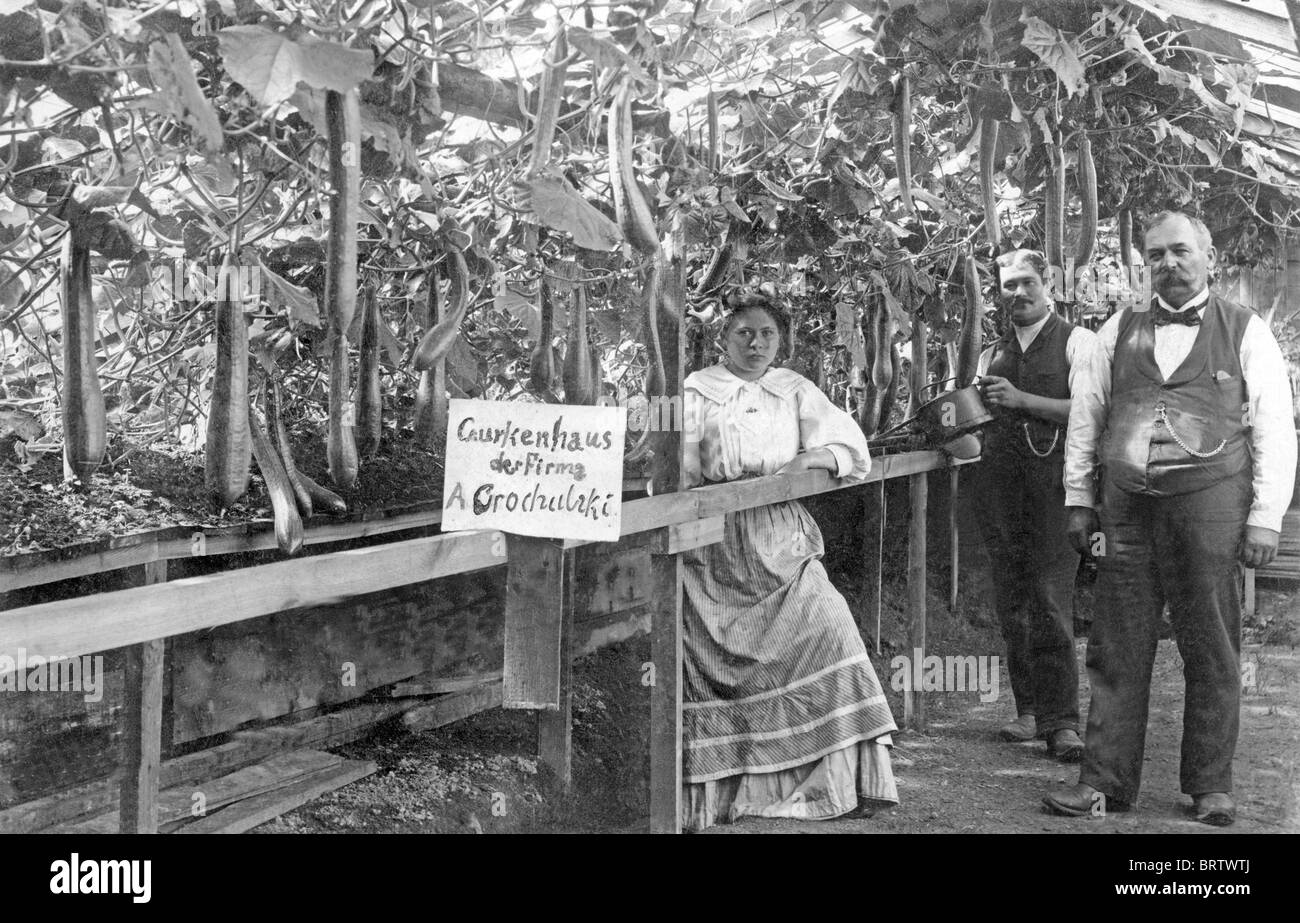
(783, 714)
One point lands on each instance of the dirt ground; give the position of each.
(481, 775)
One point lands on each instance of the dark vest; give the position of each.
(1204, 401)
(1043, 369)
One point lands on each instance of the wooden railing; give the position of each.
(140, 618)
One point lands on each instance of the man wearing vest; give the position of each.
(1027, 386)
(1187, 410)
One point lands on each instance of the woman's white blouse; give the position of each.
(736, 428)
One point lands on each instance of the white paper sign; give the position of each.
(551, 470)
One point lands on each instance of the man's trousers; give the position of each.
(1181, 550)
(1022, 510)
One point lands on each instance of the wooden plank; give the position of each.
(302, 658)
(429, 684)
(535, 601)
(555, 727)
(243, 748)
(1248, 594)
(180, 803)
(453, 707)
(72, 627)
(172, 542)
(249, 813)
(666, 696)
(1254, 22)
(142, 727)
(687, 535)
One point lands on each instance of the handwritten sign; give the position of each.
(548, 470)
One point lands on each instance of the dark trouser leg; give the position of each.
(1001, 505)
(1051, 611)
(1202, 533)
(1122, 644)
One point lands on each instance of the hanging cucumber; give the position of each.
(988, 155)
(884, 368)
(1126, 238)
(581, 381)
(438, 340)
(323, 498)
(541, 365)
(864, 379)
(630, 207)
(370, 400)
(1054, 209)
(280, 439)
(228, 449)
(431, 395)
(972, 325)
(85, 426)
(288, 524)
(1088, 193)
(341, 446)
(903, 140)
(343, 128)
(549, 96)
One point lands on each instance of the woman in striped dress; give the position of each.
(783, 713)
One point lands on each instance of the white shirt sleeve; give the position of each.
(1089, 403)
(1078, 355)
(823, 425)
(1272, 432)
(692, 410)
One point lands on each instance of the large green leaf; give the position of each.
(1056, 51)
(279, 292)
(559, 206)
(270, 65)
(179, 95)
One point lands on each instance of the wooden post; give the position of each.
(555, 727)
(668, 476)
(913, 700)
(535, 602)
(952, 538)
(666, 695)
(142, 731)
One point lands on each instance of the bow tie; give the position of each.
(1162, 316)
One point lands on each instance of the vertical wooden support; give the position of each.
(555, 727)
(953, 550)
(667, 476)
(913, 700)
(535, 602)
(142, 731)
(666, 695)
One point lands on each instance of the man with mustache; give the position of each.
(1187, 411)
(1032, 372)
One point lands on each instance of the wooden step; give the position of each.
(177, 804)
(249, 813)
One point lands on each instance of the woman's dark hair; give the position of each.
(738, 302)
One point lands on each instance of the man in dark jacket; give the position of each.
(1198, 461)
(1027, 384)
